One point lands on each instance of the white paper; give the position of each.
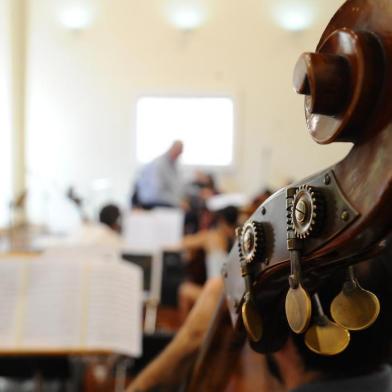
(115, 308)
(153, 230)
(81, 253)
(67, 305)
(11, 282)
(169, 225)
(53, 304)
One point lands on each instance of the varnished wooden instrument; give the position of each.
(330, 220)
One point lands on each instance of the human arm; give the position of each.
(195, 241)
(164, 373)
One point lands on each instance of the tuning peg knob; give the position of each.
(341, 82)
(325, 79)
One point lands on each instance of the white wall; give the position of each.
(82, 88)
(5, 114)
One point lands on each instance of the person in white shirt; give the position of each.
(106, 232)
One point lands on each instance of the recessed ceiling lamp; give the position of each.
(186, 15)
(294, 15)
(76, 15)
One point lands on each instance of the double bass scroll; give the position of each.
(340, 215)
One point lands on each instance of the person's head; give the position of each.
(175, 150)
(211, 183)
(204, 180)
(368, 349)
(110, 215)
(228, 218)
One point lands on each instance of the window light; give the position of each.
(205, 125)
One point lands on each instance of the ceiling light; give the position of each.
(294, 15)
(76, 15)
(186, 15)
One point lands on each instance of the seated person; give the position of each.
(198, 216)
(105, 232)
(110, 215)
(216, 242)
(163, 373)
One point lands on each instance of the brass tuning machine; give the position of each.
(250, 243)
(250, 314)
(298, 305)
(354, 308)
(325, 337)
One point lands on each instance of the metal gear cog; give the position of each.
(307, 211)
(251, 241)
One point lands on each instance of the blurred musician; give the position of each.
(159, 183)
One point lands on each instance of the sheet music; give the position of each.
(81, 253)
(139, 231)
(50, 304)
(169, 224)
(115, 308)
(153, 230)
(53, 304)
(11, 282)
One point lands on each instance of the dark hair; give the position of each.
(211, 183)
(208, 182)
(368, 349)
(228, 214)
(109, 215)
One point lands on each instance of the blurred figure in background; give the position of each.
(198, 217)
(110, 215)
(205, 184)
(216, 242)
(159, 183)
(105, 232)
